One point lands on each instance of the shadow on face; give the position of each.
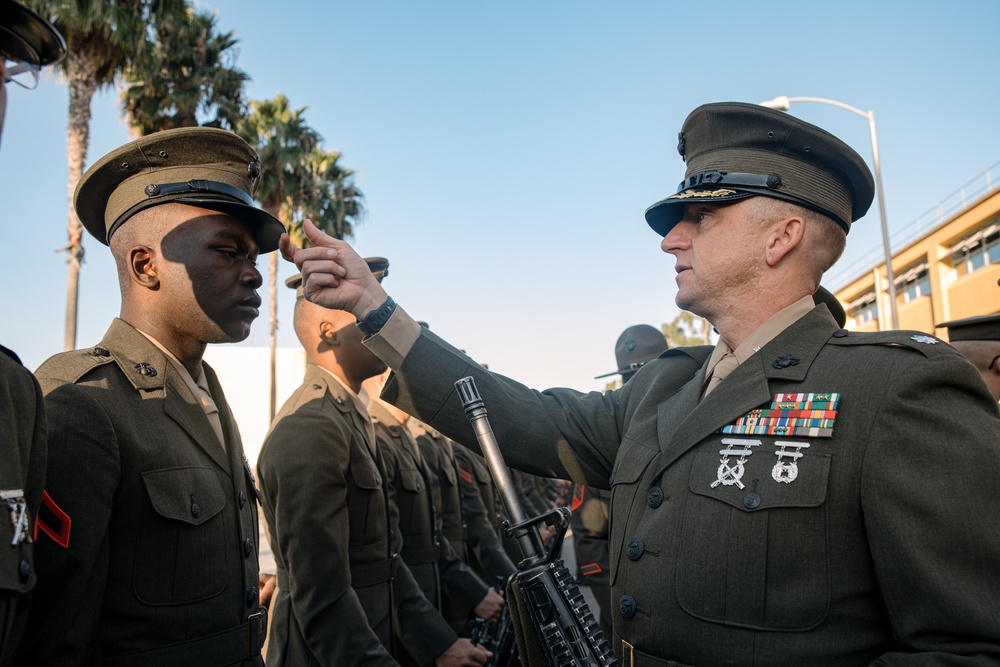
(208, 281)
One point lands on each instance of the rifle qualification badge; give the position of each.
(728, 475)
(19, 520)
(784, 471)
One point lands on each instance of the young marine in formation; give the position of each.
(345, 597)
(789, 497)
(147, 549)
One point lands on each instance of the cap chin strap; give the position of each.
(169, 191)
(201, 186)
(767, 181)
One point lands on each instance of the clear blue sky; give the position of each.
(508, 149)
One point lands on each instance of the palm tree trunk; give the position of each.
(273, 292)
(82, 86)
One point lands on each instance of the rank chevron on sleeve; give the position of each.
(804, 415)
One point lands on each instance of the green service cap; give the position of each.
(200, 166)
(638, 344)
(981, 327)
(735, 151)
(27, 37)
(379, 267)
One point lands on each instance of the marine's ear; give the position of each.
(782, 237)
(328, 332)
(142, 266)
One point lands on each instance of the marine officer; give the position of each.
(793, 496)
(147, 542)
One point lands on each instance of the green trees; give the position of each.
(185, 77)
(101, 38)
(687, 329)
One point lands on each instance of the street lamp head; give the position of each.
(781, 103)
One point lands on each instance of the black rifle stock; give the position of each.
(558, 629)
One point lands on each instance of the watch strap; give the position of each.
(376, 319)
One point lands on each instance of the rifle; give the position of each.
(552, 622)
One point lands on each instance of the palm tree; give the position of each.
(283, 141)
(186, 77)
(102, 36)
(331, 200)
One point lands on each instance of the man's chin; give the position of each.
(233, 335)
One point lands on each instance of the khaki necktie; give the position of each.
(726, 365)
(211, 411)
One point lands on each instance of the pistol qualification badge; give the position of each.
(728, 475)
(783, 471)
(18, 515)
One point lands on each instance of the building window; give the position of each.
(863, 309)
(913, 283)
(982, 248)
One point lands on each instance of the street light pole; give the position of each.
(783, 103)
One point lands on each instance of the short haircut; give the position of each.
(824, 237)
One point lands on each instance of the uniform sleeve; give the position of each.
(419, 626)
(304, 480)
(556, 433)
(458, 582)
(23, 452)
(931, 501)
(82, 475)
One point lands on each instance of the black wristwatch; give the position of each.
(375, 320)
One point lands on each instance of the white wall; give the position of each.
(243, 372)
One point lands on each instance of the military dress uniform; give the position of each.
(341, 586)
(847, 564)
(22, 413)
(439, 456)
(429, 555)
(150, 538)
(481, 509)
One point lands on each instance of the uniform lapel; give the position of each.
(231, 431)
(149, 370)
(747, 387)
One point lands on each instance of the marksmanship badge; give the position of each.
(728, 475)
(19, 519)
(786, 471)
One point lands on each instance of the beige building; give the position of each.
(946, 273)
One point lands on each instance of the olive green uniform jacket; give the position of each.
(429, 555)
(22, 472)
(884, 549)
(154, 562)
(438, 454)
(342, 592)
